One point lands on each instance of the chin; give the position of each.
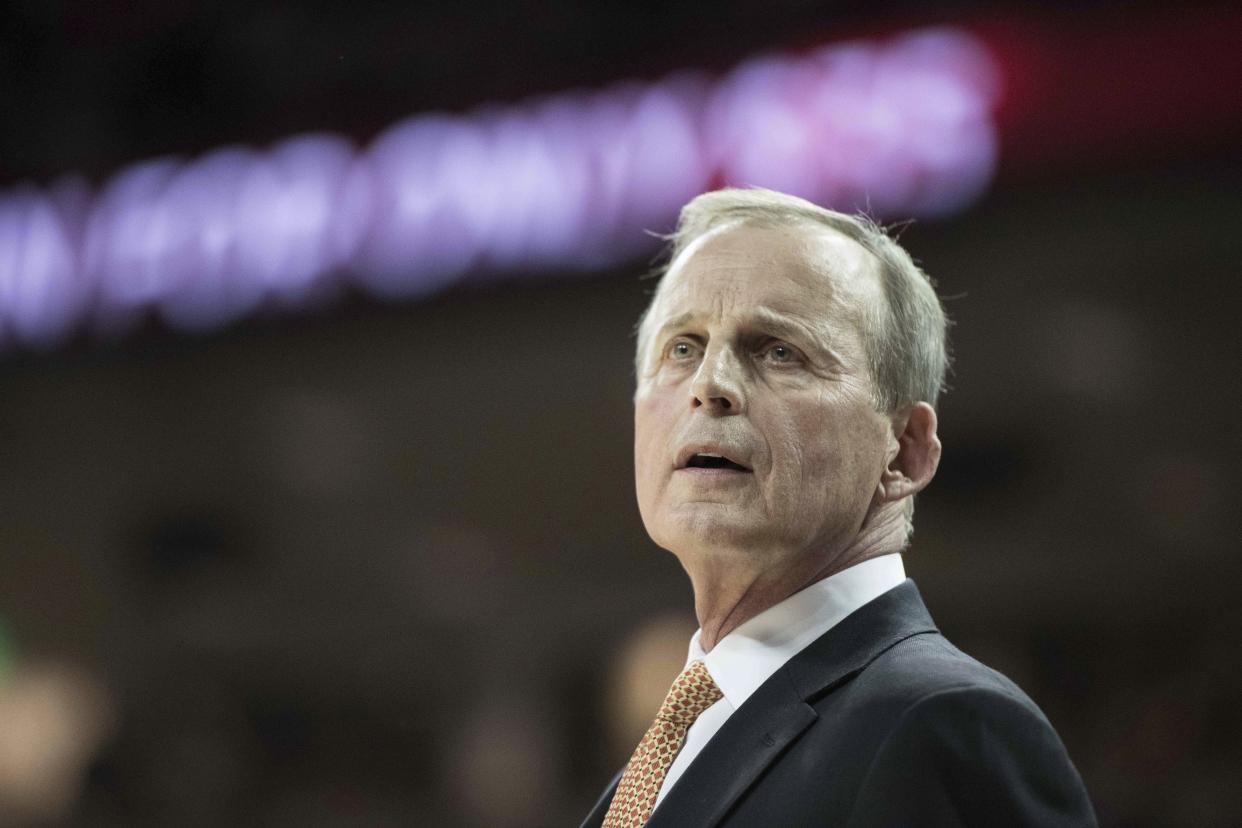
(716, 531)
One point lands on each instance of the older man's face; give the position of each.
(756, 433)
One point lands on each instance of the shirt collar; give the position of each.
(750, 654)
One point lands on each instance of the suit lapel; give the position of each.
(596, 817)
(778, 712)
(772, 718)
(845, 650)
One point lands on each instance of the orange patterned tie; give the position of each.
(692, 692)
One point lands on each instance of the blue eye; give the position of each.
(681, 350)
(782, 353)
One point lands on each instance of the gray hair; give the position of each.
(905, 341)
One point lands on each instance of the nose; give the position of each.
(718, 384)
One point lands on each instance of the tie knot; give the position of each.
(692, 692)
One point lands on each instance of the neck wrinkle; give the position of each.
(733, 604)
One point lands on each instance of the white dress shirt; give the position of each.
(750, 654)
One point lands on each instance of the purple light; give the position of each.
(565, 182)
(293, 229)
(419, 177)
(41, 294)
(125, 234)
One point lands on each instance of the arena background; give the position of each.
(367, 553)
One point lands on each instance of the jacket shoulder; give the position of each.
(927, 665)
(959, 738)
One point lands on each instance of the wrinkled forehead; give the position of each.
(802, 267)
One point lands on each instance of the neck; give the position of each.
(727, 595)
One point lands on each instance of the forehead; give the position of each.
(802, 269)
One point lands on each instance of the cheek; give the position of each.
(809, 439)
(829, 450)
(652, 418)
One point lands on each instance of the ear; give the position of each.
(914, 453)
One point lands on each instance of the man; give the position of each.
(788, 367)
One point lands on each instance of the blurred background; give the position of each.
(315, 371)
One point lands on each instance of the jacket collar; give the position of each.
(858, 640)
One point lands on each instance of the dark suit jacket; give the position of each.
(879, 722)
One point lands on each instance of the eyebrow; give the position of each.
(670, 325)
(770, 322)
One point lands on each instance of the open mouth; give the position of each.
(713, 461)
